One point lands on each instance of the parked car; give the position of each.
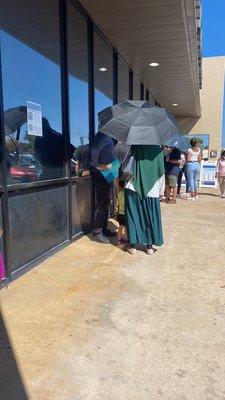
(22, 174)
(26, 168)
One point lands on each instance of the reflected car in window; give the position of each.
(25, 169)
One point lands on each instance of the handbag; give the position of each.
(111, 173)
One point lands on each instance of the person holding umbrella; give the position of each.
(144, 127)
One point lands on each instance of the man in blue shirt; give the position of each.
(102, 154)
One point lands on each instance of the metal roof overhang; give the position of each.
(162, 31)
(143, 31)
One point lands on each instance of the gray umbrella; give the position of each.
(138, 123)
(14, 118)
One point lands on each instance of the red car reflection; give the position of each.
(23, 174)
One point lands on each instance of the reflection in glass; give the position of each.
(136, 87)
(78, 91)
(31, 73)
(103, 75)
(123, 80)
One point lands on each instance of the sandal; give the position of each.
(131, 250)
(150, 252)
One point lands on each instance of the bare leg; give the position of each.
(168, 193)
(174, 191)
(120, 232)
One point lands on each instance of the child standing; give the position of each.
(172, 170)
(220, 173)
(122, 234)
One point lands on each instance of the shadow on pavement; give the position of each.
(208, 194)
(11, 385)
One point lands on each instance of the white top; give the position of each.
(193, 155)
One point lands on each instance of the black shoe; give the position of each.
(109, 233)
(100, 238)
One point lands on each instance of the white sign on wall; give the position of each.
(34, 119)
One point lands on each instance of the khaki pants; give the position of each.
(221, 180)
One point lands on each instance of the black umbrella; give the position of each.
(138, 123)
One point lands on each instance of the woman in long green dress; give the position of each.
(142, 204)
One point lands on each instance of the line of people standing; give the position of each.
(177, 164)
(139, 200)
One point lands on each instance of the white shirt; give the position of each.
(193, 155)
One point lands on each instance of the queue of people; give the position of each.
(177, 164)
(139, 213)
(155, 173)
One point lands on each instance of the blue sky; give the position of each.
(213, 25)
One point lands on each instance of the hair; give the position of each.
(194, 142)
(121, 184)
(175, 154)
(223, 153)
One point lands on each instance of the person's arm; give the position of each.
(188, 156)
(175, 161)
(77, 168)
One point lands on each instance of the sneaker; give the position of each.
(150, 252)
(109, 233)
(100, 238)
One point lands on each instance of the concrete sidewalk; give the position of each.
(95, 323)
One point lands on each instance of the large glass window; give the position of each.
(123, 80)
(103, 75)
(78, 91)
(136, 87)
(31, 90)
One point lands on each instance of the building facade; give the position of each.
(212, 105)
(62, 61)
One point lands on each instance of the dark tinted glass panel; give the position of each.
(78, 89)
(2, 268)
(123, 80)
(31, 90)
(38, 223)
(136, 87)
(103, 74)
(81, 205)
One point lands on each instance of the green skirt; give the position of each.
(143, 219)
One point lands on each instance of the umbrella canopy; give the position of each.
(14, 118)
(138, 123)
